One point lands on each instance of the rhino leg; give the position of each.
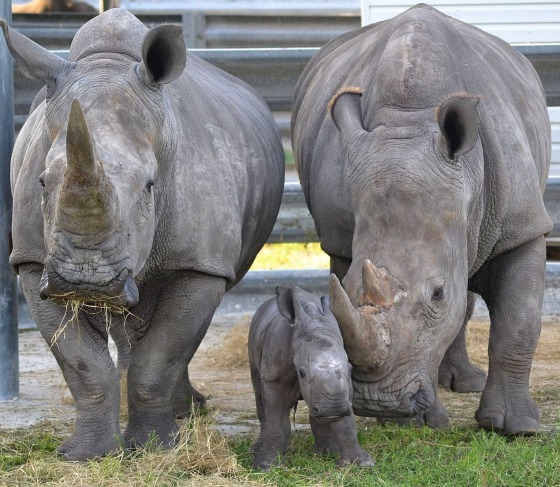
(83, 355)
(339, 266)
(183, 312)
(340, 438)
(456, 372)
(273, 410)
(186, 398)
(512, 285)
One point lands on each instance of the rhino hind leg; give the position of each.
(456, 372)
(187, 400)
(83, 355)
(512, 284)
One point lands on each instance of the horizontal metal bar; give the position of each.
(274, 72)
(295, 224)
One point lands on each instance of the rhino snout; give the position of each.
(331, 412)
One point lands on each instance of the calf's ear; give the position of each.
(326, 305)
(34, 61)
(458, 124)
(164, 55)
(285, 299)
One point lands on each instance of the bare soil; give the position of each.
(220, 371)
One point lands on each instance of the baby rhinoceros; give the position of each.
(296, 352)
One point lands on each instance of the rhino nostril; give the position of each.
(315, 409)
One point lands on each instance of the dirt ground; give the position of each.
(220, 371)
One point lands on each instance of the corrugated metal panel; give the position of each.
(257, 7)
(515, 21)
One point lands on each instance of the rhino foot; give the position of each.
(362, 459)
(77, 449)
(461, 377)
(161, 434)
(192, 402)
(265, 460)
(320, 448)
(519, 417)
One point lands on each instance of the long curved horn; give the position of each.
(85, 200)
(365, 333)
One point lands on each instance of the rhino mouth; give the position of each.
(370, 400)
(330, 413)
(121, 293)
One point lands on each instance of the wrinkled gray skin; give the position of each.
(296, 352)
(428, 186)
(160, 184)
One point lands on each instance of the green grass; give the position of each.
(405, 456)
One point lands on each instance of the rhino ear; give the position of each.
(326, 305)
(34, 61)
(458, 124)
(164, 55)
(346, 111)
(285, 299)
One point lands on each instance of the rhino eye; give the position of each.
(438, 294)
(42, 182)
(302, 373)
(149, 185)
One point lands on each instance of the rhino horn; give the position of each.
(379, 288)
(365, 333)
(85, 204)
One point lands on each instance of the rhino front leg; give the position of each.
(340, 438)
(182, 315)
(456, 372)
(512, 285)
(273, 410)
(83, 356)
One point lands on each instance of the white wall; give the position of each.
(515, 21)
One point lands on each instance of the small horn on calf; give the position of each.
(365, 332)
(85, 200)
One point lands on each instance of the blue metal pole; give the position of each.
(9, 366)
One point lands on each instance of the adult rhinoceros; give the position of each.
(160, 183)
(425, 180)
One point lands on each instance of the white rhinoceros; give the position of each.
(144, 184)
(425, 180)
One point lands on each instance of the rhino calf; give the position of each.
(295, 352)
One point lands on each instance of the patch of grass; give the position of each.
(405, 456)
(291, 256)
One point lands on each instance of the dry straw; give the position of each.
(97, 305)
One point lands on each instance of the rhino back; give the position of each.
(412, 63)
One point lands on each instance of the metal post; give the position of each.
(9, 367)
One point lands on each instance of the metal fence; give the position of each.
(208, 29)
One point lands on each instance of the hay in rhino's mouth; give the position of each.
(99, 304)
